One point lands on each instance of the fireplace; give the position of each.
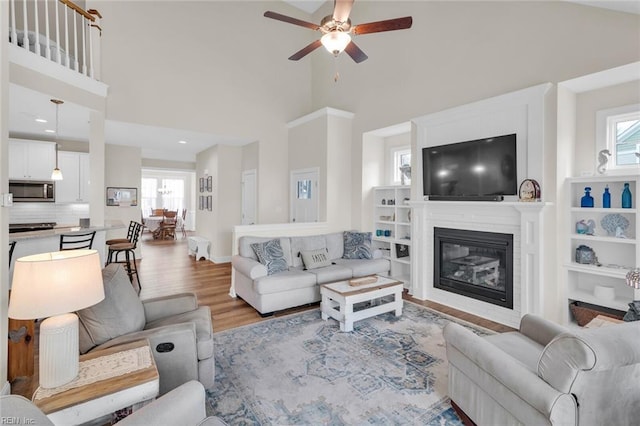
(474, 264)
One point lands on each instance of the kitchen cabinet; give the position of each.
(74, 187)
(31, 160)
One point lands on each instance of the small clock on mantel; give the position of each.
(529, 190)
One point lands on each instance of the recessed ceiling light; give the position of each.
(182, 142)
(41, 120)
(50, 131)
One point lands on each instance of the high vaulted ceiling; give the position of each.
(158, 142)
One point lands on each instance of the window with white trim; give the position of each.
(618, 131)
(400, 157)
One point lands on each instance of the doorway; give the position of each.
(304, 195)
(249, 197)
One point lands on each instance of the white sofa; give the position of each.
(296, 286)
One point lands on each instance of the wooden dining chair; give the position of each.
(77, 241)
(157, 212)
(167, 228)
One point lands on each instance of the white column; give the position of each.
(96, 167)
(37, 26)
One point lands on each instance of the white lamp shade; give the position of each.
(56, 174)
(49, 284)
(335, 41)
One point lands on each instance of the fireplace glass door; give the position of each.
(475, 264)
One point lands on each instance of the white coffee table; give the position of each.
(339, 297)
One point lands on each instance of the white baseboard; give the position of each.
(222, 259)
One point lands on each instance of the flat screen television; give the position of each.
(483, 169)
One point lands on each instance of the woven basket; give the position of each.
(585, 313)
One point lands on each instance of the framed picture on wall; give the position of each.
(209, 202)
(201, 203)
(120, 197)
(201, 184)
(209, 183)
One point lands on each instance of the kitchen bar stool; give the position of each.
(128, 248)
(132, 228)
(77, 241)
(12, 245)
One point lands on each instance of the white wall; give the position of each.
(223, 164)
(456, 53)
(587, 105)
(459, 52)
(307, 149)
(123, 169)
(218, 67)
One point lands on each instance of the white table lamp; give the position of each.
(52, 286)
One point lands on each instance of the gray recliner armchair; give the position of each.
(184, 406)
(179, 331)
(545, 374)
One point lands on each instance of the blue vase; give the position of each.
(587, 199)
(606, 198)
(626, 196)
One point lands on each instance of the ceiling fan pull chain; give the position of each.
(336, 76)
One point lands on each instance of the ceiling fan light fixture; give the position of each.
(335, 41)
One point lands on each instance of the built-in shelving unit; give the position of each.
(392, 219)
(616, 255)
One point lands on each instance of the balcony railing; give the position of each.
(58, 30)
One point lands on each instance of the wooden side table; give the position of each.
(108, 380)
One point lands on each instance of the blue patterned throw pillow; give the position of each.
(357, 245)
(271, 255)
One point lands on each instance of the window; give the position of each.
(160, 192)
(149, 195)
(618, 130)
(172, 194)
(400, 157)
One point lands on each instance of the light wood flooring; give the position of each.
(165, 268)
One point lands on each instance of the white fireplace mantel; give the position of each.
(525, 113)
(523, 220)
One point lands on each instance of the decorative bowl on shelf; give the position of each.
(604, 292)
(614, 224)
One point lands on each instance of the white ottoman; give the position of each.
(200, 247)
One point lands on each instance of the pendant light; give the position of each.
(56, 174)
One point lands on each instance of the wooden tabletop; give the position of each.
(100, 388)
(343, 288)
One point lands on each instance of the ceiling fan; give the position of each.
(336, 30)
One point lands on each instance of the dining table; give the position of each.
(152, 222)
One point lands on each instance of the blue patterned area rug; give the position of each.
(301, 370)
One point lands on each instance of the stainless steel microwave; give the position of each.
(32, 191)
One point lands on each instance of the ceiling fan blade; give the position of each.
(355, 52)
(290, 20)
(305, 51)
(341, 10)
(380, 26)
